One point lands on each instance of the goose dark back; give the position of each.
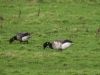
(67, 41)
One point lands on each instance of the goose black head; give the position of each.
(47, 44)
(12, 39)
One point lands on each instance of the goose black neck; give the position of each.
(50, 45)
(12, 39)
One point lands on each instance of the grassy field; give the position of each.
(77, 20)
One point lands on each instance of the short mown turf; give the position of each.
(48, 20)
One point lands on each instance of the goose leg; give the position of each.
(20, 41)
(27, 41)
(60, 50)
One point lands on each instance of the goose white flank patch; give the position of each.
(25, 38)
(58, 44)
(22, 37)
(66, 45)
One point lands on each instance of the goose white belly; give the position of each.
(65, 45)
(25, 38)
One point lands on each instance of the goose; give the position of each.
(58, 44)
(22, 37)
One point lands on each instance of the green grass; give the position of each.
(77, 20)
